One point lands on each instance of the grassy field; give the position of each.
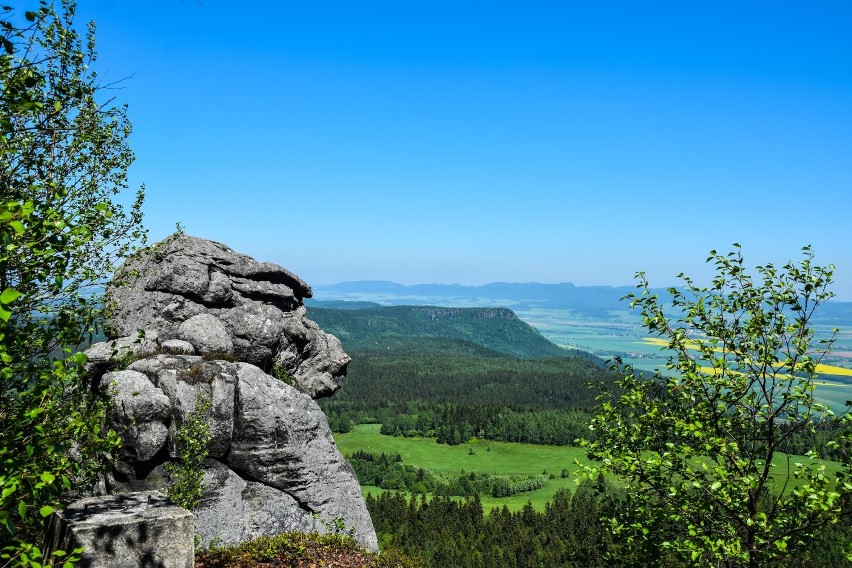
(502, 458)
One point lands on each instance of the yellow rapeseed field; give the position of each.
(821, 368)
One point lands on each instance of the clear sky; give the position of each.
(470, 142)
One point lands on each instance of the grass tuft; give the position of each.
(301, 549)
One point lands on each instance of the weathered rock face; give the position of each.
(272, 464)
(184, 283)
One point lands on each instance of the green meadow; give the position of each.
(479, 456)
(500, 458)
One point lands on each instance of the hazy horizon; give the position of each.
(320, 285)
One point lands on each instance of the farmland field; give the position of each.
(622, 335)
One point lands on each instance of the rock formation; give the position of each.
(195, 320)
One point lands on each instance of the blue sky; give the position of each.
(471, 142)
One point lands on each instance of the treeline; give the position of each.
(457, 423)
(568, 533)
(826, 440)
(388, 472)
(374, 378)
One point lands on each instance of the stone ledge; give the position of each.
(144, 529)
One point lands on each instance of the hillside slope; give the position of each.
(497, 329)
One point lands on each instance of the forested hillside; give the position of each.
(382, 327)
(456, 373)
(454, 390)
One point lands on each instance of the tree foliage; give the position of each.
(63, 163)
(706, 447)
(448, 532)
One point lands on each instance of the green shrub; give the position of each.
(191, 443)
(280, 372)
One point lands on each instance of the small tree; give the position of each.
(703, 447)
(63, 162)
(63, 165)
(191, 444)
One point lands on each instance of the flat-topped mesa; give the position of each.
(272, 464)
(221, 301)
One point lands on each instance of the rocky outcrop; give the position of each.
(200, 322)
(222, 301)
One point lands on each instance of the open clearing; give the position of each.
(503, 458)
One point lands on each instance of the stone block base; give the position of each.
(144, 529)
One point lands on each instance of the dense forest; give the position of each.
(458, 373)
(449, 532)
(454, 394)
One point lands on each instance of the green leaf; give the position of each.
(8, 491)
(715, 486)
(9, 295)
(46, 511)
(22, 509)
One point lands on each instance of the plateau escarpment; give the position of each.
(498, 329)
(200, 322)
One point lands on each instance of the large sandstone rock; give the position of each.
(235, 509)
(282, 438)
(207, 334)
(181, 285)
(272, 464)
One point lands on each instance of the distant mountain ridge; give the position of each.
(595, 301)
(591, 301)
